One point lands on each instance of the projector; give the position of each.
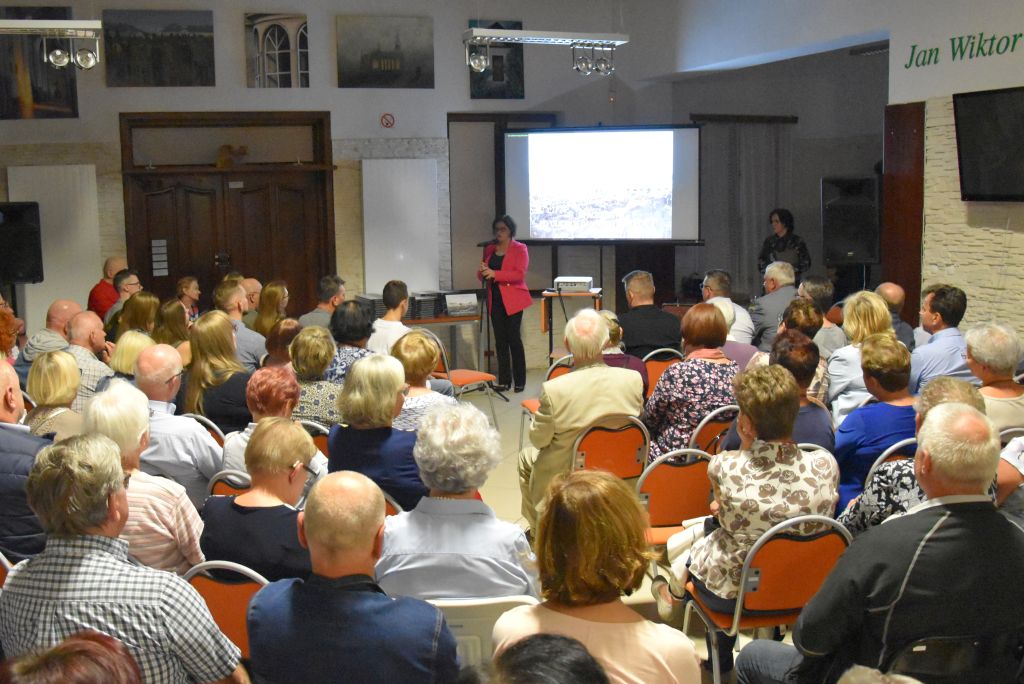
(573, 284)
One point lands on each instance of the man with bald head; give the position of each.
(103, 294)
(250, 346)
(179, 448)
(897, 583)
(253, 289)
(54, 337)
(21, 535)
(340, 607)
(569, 403)
(89, 346)
(894, 297)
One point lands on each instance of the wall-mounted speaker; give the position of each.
(21, 257)
(849, 220)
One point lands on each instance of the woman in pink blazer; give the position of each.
(503, 270)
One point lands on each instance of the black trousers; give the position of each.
(508, 344)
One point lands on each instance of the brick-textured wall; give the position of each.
(977, 246)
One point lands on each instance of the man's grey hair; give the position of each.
(961, 453)
(328, 287)
(994, 345)
(456, 448)
(819, 290)
(70, 481)
(719, 282)
(121, 412)
(945, 390)
(782, 272)
(586, 333)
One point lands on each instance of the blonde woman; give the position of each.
(122, 361)
(273, 302)
(172, 326)
(188, 296)
(53, 384)
(418, 354)
(864, 314)
(311, 353)
(371, 397)
(591, 550)
(139, 313)
(612, 352)
(215, 383)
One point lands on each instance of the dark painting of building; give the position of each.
(276, 50)
(30, 88)
(385, 52)
(158, 48)
(503, 79)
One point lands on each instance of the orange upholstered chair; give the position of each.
(227, 599)
(673, 488)
(464, 379)
(211, 427)
(530, 406)
(657, 361)
(229, 483)
(617, 443)
(710, 431)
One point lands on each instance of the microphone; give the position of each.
(486, 243)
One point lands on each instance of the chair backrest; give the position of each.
(657, 361)
(890, 455)
(5, 566)
(471, 622)
(807, 446)
(210, 426)
(559, 367)
(788, 563)
(1010, 433)
(443, 367)
(227, 599)
(618, 443)
(318, 432)
(675, 487)
(391, 507)
(229, 483)
(710, 431)
(994, 657)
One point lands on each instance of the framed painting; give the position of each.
(385, 52)
(30, 88)
(159, 48)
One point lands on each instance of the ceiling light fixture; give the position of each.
(579, 43)
(71, 30)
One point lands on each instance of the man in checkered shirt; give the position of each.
(84, 580)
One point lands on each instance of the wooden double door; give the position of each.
(267, 224)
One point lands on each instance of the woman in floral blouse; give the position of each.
(769, 480)
(689, 390)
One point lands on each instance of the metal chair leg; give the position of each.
(490, 400)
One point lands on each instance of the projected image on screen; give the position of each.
(601, 185)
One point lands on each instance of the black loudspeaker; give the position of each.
(21, 254)
(849, 220)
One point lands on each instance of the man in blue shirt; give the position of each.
(353, 630)
(942, 308)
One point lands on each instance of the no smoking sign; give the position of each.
(387, 120)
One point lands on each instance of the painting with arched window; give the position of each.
(276, 50)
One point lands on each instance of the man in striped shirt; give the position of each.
(84, 580)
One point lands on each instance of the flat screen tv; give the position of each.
(990, 144)
(604, 184)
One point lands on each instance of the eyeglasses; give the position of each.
(309, 471)
(405, 390)
(175, 376)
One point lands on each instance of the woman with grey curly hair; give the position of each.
(992, 355)
(451, 545)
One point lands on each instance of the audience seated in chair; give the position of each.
(139, 314)
(942, 309)
(876, 426)
(214, 385)
(270, 393)
(367, 443)
(163, 526)
(172, 324)
(864, 314)
(122, 361)
(894, 585)
(893, 488)
(249, 346)
(87, 657)
(252, 290)
(103, 294)
(993, 354)
(20, 533)
(717, 287)
(83, 580)
(179, 447)
(818, 291)
(54, 337)
(127, 283)
(769, 480)
(802, 315)
(273, 306)
(330, 292)
(88, 344)
(257, 528)
(739, 352)
(452, 545)
(798, 354)
(689, 390)
(388, 329)
(186, 293)
(311, 353)
(591, 550)
(569, 403)
(384, 639)
(613, 354)
(645, 326)
(540, 658)
(279, 340)
(894, 297)
(765, 312)
(351, 326)
(53, 385)
(418, 354)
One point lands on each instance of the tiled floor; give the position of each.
(501, 492)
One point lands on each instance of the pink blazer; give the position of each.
(511, 278)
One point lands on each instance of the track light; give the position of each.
(584, 47)
(86, 58)
(604, 65)
(58, 58)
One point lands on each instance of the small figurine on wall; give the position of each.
(228, 156)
